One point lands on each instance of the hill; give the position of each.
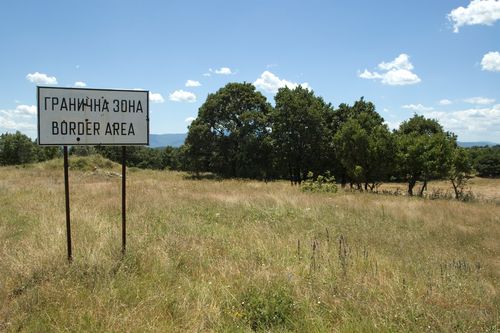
(177, 140)
(163, 140)
(476, 144)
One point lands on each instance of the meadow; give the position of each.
(240, 256)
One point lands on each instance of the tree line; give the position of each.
(239, 134)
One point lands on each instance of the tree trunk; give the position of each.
(424, 187)
(458, 191)
(411, 185)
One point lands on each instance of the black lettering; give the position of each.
(139, 107)
(64, 105)
(123, 104)
(55, 128)
(55, 101)
(88, 127)
(116, 128)
(64, 127)
(81, 105)
(96, 128)
(116, 108)
(131, 106)
(108, 129)
(72, 127)
(81, 128)
(97, 105)
(105, 106)
(46, 98)
(72, 104)
(131, 129)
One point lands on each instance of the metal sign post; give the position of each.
(124, 200)
(66, 195)
(77, 116)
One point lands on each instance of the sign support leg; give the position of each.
(124, 200)
(66, 192)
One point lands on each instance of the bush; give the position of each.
(324, 183)
(81, 163)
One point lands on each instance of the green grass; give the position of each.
(238, 256)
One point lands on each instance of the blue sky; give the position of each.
(436, 58)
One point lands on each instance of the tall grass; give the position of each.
(238, 256)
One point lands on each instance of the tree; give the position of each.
(229, 135)
(17, 148)
(363, 144)
(486, 160)
(171, 158)
(299, 132)
(460, 171)
(424, 151)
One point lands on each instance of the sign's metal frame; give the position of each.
(92, 89)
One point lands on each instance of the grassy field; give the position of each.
(237, 256)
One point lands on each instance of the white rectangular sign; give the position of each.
(75, 116)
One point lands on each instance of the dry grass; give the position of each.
(240, 256)
(483, 189)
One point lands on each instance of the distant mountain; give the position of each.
(476, 144)
(177, 140)
(163, 140)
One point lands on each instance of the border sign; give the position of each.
(76, 116)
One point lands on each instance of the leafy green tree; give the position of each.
(47, 152)
(17, 148)
(171, 158)
(229, 135)
(299, 132)
(198, 147)
(460, 171)
(364, 145)
(424, 151)
(485, 160)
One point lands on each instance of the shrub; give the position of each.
(324, 183)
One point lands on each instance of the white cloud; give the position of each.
(40, 78)
(25, 110)
(189, 120)
(417, 107)
(271, 83)
(392, 124)
(484, 12)
(479, 100)
(182, 96)
(401, 62)
(369, 75)
(395, 73)
(445, 102)
(16, 120)
(471, 124)
(192, 83)
(156, 97)
(491, 62)
(223, 71)
(80, 84)
(207, 74)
